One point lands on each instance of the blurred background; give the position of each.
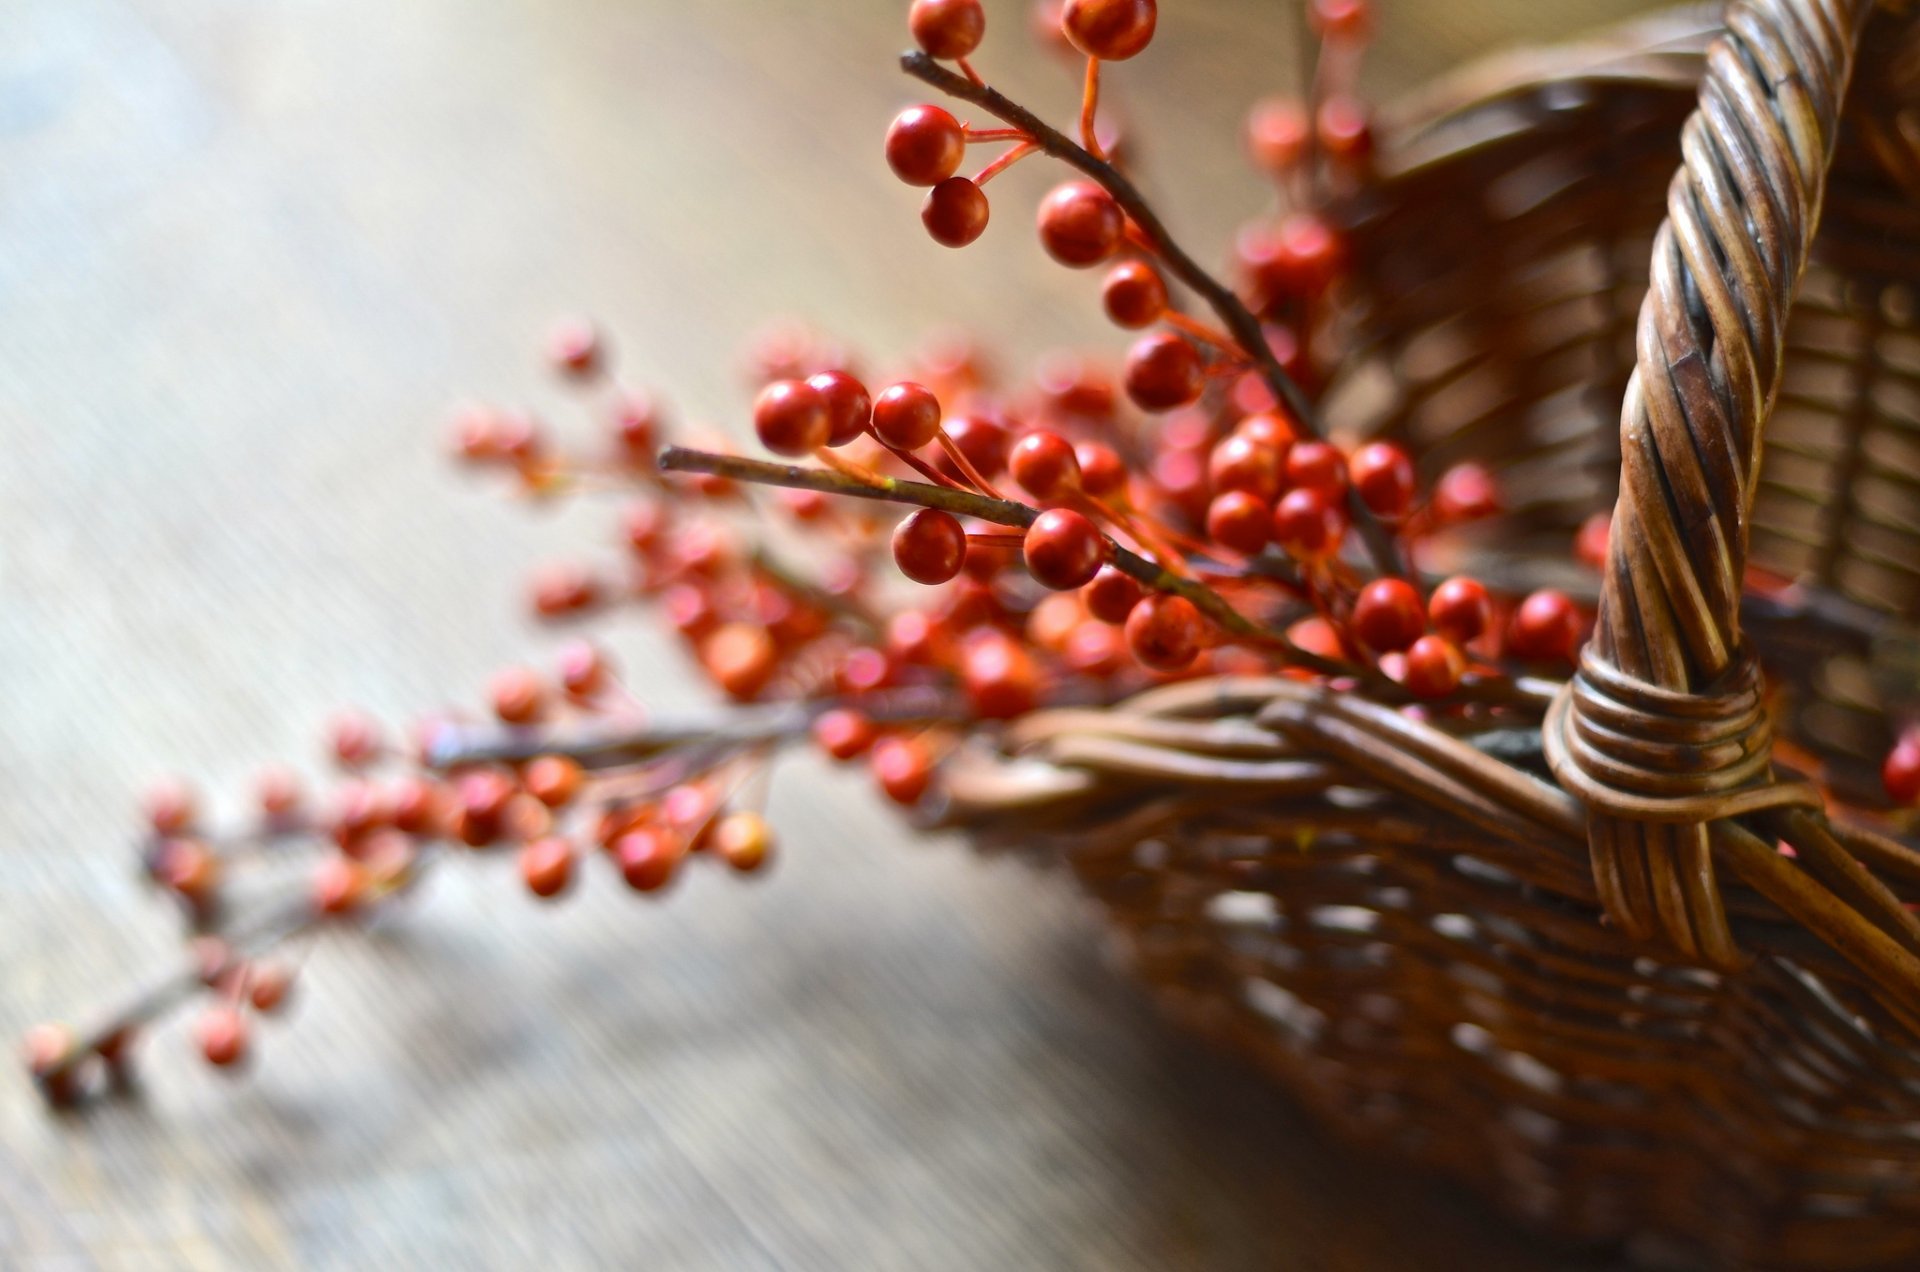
(251, 253)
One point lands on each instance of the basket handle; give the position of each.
(1663, 729)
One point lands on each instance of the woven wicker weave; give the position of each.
(1557, 950)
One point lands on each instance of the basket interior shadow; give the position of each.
(1601, 951)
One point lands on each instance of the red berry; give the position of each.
(903, 768)
(553, 780)
(983, 441)
(906, 415)
(648, 857)
(1387, 615)
(930, 546)
(268, 987)
(583, 669)
(1383, 476)
(1111, 30)
(1134, 294)
(1308, 524)
(1434, 667)
(790, 417)
(925, 145)
(339, 886)
(170, 807)
(1080, 224)
(1465, 492)
(1102, 471)
(741, 658)
(1268, 428)
(1277, 134)
(222, 1033)
(999, 676)
(1112, 595)
(1063, 549)
(519, 695)
(278, 792)
(1345, 128)
(848, 406)
(573, 346)
(636, 429)
(844, 733)
(743, 840)
(1045, 465)
(955, 212)
(1238, 462)
(1163, 371)
(1164, 631)
(1317, 465)
(563, 588)
(947, 29)
(1545, 628)
(1460, 609)
(1340, 19)
(1299, 259)
(546, 866)
(1900, 773)
(1241, 520)
(1591, 543)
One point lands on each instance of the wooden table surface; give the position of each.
(250, 251)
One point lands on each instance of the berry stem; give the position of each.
(1089, 107)
(1234, 316)
(1003, 162)
(976, 136)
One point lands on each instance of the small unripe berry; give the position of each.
(1063, 549)
(955, 212)
(1240, 520)
(790, 417)
(1382, 475)
(1460, 609)
(1134, 294)
(1545, 628)
(906, 415)
(1111, 30)
(743, 840)
(849, 408)
(930, 546)
(1164, 632)
(546, 866)
(1307, 524)
(1434, 667)
(1388, 616)
(1164, 371)
(925, 145)
(1045, 465)
(1080, 224)
(1112, 595)
(947, 29)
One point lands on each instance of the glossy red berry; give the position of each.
(947, 29)
(546, 866)
(1345, 128)
(1460, 609)
(1164, 371)
(1382, 475)
(955, 212)
(1434, 667)
(1546, 628)
(1045, 465)
(791, 418)
(1111, 596)
(925, 145)
(1590, 544)
(982, 440)
(1063, 549)
(519, 695)
(1388, 616)
(1102, 471)
(1240, 520)
(648, 857)
(1316, 465)
(1277, 134)
(930, 546)
(1164, 632)
(222, 1034)
(1308, 524)
(1350, 20)
(553, 779)
(1134, 294)
(903, 768)
(1299, 259)
(844, 733)
(268, 987)
(849, 408)
(1080, 224)
(1111, 30)
(1238, 462)
(906, 415)
(1267, 427)
(1465, 492)
(999, 676)
(741, 658)
(1900, 772)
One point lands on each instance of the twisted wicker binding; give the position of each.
(1556, 949)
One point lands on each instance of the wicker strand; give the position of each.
(1663, 730)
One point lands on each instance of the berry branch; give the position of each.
(1235, 316)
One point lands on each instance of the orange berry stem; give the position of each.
(1003, 162)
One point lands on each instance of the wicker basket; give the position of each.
(1558, 950)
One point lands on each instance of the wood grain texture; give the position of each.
(251, 252)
